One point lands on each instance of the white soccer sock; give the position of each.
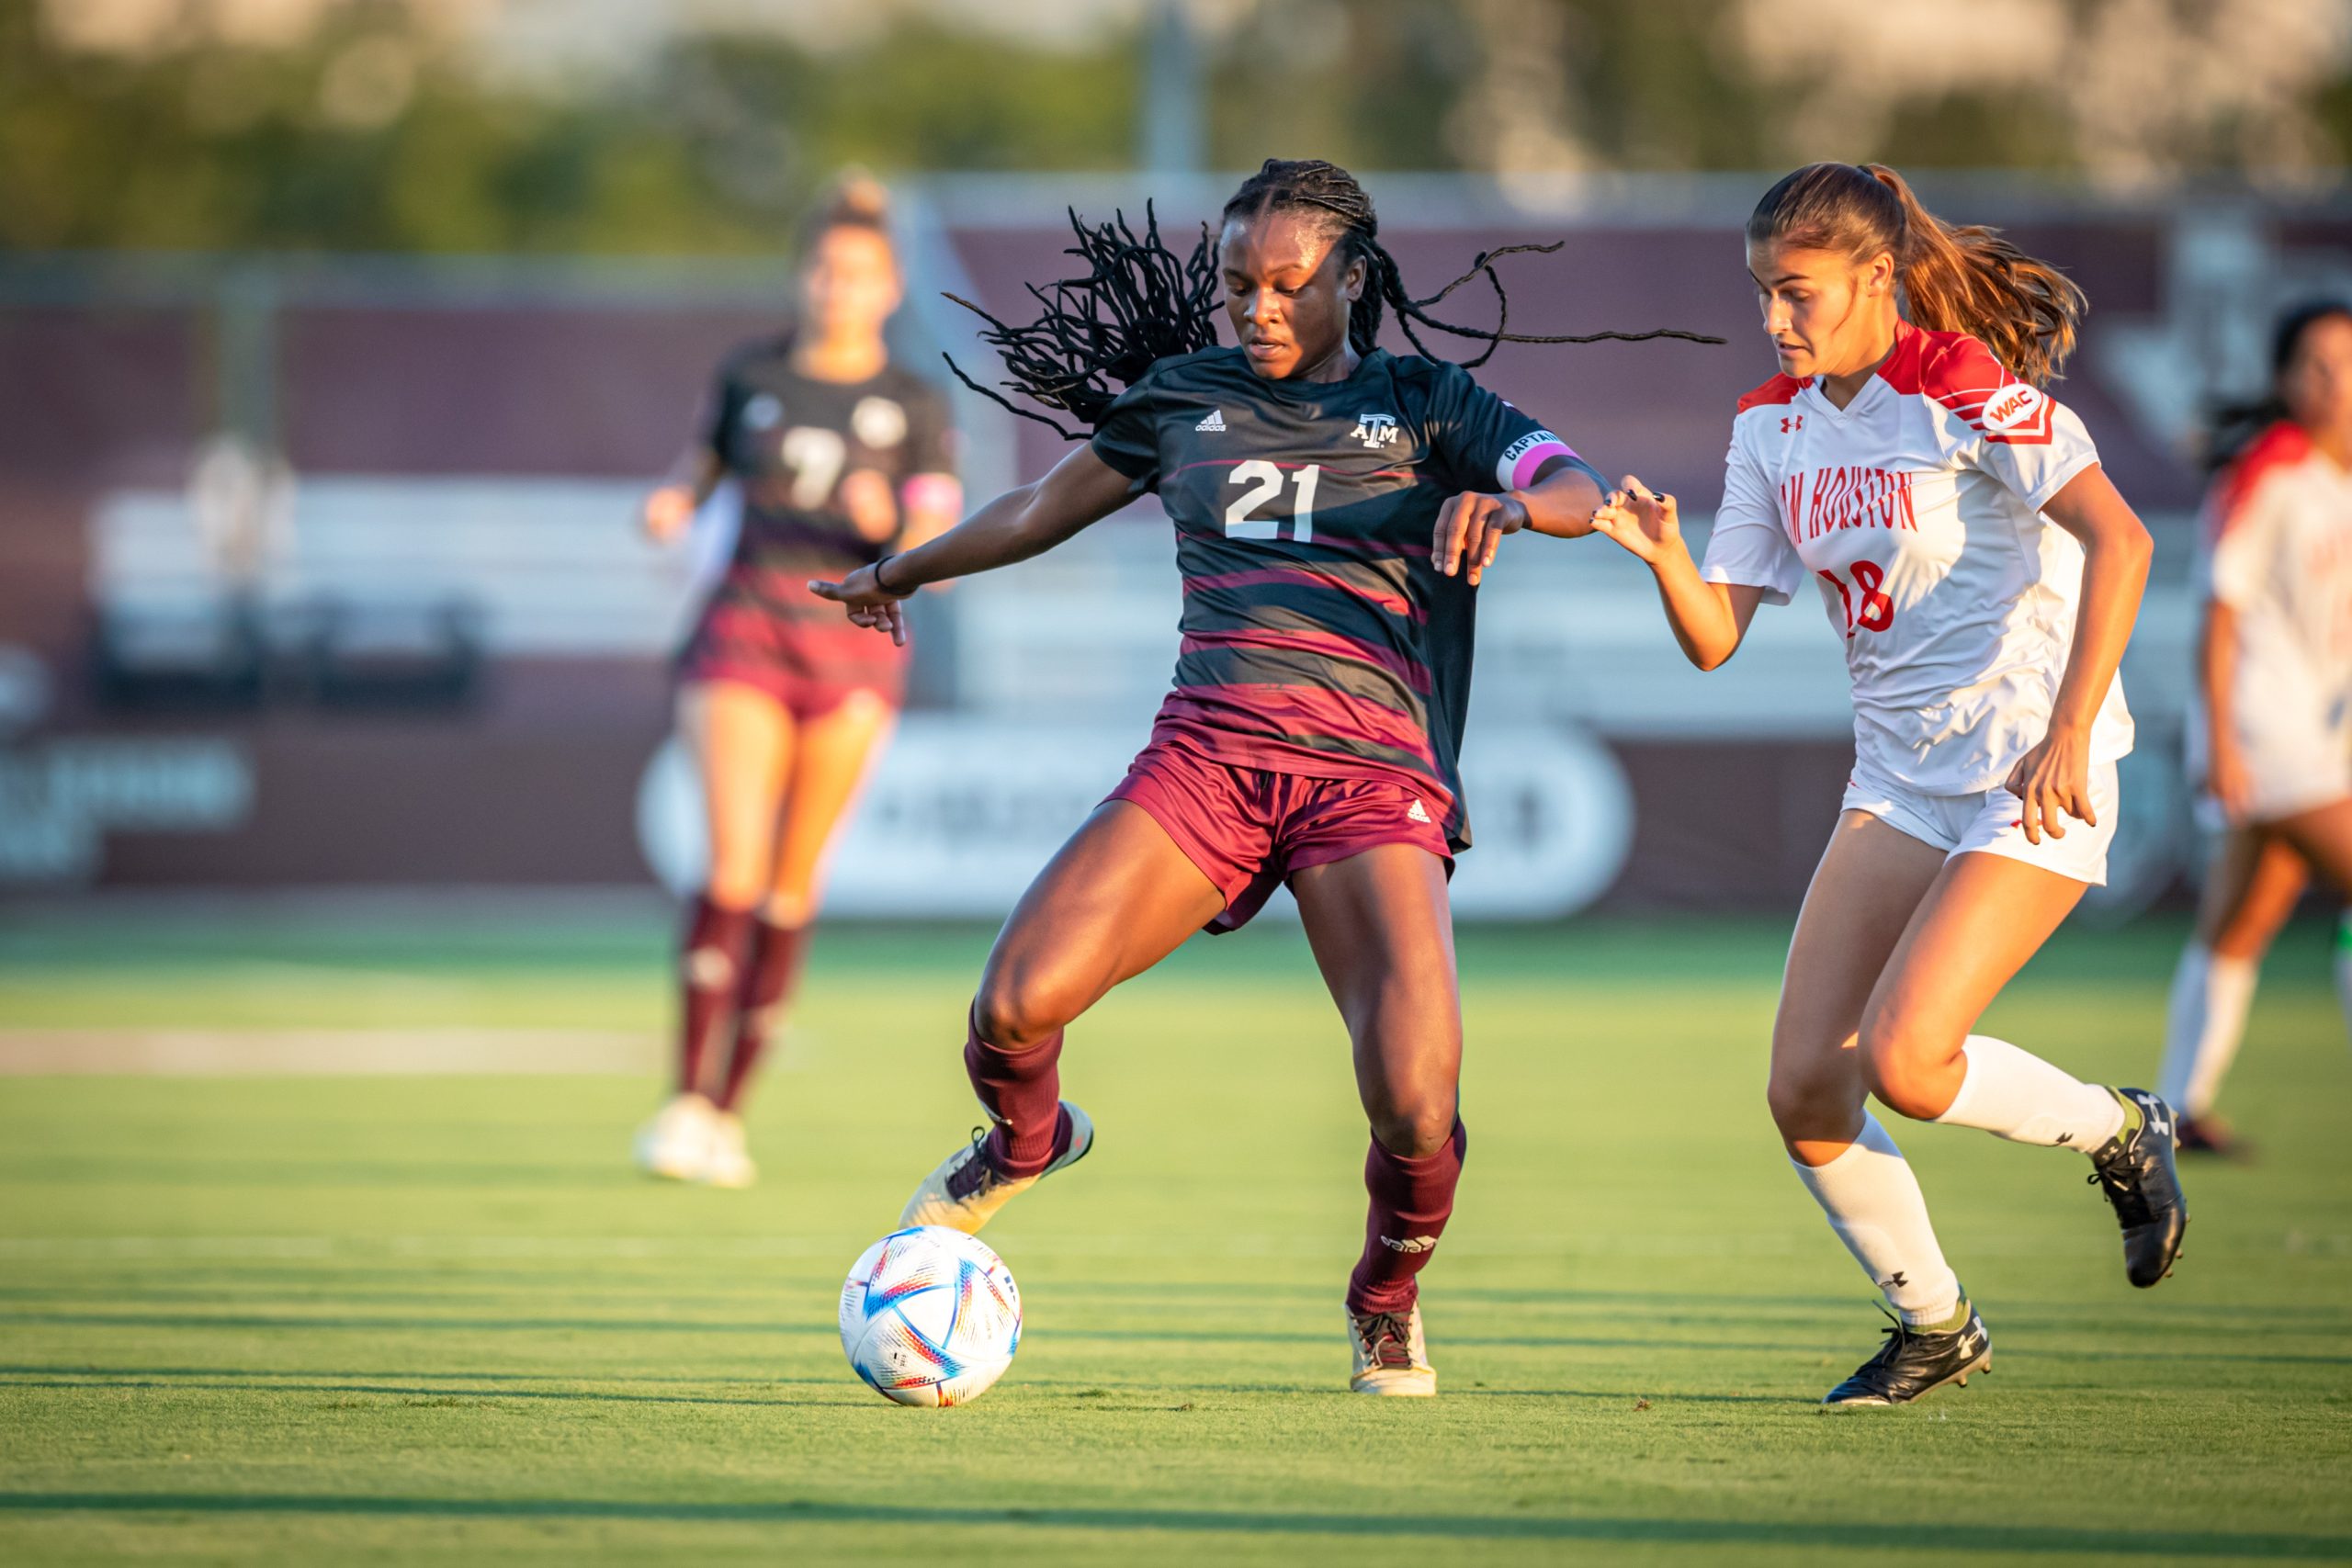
(1874, 1205)
(2016, 1095)
(2211, 994)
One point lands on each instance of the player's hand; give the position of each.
(1648, 525)
(870, 604)
(667, 512)
(1469, 528)
(2051, 781)
(2227, 778)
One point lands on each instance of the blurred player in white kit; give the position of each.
(2270, 724)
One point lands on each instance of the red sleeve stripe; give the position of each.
(2282, 445)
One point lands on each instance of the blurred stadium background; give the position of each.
(340, 340)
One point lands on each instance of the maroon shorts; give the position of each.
(809, 667)
(1250, 830)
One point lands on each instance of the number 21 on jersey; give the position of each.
(1265, 482)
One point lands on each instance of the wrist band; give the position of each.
(885, 586)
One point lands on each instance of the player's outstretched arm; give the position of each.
(1708, 619)
(1471, 526)
(2055, 776)
(1081, 489)
(669, 509)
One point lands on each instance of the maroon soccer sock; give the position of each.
(1412, 1197)
(1023, 1093)
(769, 975)
(710, 966)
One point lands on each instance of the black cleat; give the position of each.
(2135, 1169)
(1913, 1362)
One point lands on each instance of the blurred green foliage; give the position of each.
(378, 132)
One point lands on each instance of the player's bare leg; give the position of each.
(1870, 880)
(2251, 889)
(741, 738)
(1115, 900)
(829, 761)
(1985, 915)
(1382, 934)
(2323, 837)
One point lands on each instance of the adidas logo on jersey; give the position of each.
(1216, 421)
(1418, 813)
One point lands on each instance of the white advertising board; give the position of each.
(963, 811)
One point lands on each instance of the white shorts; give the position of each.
(1990, 822)
(2294, 771)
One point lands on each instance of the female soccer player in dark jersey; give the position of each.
(1335, 506)
(839, 456)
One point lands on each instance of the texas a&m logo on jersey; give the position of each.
(1374, 430)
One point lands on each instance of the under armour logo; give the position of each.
(1894, 1282)
(1795, 421)
(1375, 429)
(1410, 1244)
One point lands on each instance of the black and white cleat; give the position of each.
(1914, 1361)
(2135, 1169)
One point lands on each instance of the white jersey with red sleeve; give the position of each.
(1915, 511)
(2278, 551)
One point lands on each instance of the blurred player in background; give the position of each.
(1311, 733)
(2271, 732)
(837, 456)
(1984, 575)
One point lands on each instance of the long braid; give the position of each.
(1138, 303)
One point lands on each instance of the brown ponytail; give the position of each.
(1956, 279)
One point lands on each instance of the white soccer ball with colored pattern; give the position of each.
(930, 1317)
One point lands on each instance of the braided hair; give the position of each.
(1138, 302)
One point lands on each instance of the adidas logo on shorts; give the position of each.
(1420, 813)
(1216, 421)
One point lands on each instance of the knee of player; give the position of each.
(736, 884)
(1415, 1127)
(1902, 1064)
(1811, 1105)
(1012, 1011)
(790, 907)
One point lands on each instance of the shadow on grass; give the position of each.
(410, 1391)
(389, 1323)
(1826, 1535)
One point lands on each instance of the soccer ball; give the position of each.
(930, 1317)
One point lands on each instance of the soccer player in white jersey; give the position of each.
(1984, 575)
(2271, 735)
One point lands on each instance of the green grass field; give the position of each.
(271, 1320)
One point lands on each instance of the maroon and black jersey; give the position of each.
(1318, 636)
(796, 447)
(791, 443)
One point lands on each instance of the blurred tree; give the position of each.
(385, 125)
